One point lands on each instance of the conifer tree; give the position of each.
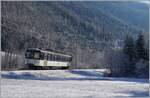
(140, 47)
(129, 48)
(129, 51)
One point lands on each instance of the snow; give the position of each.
(69, 83)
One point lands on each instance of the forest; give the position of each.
(97, 34)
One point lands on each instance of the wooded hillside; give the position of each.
(86, 30)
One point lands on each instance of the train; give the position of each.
(36, 58)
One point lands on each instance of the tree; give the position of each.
(129, 51)
(129, 48)
(140, 47)
(142, 52)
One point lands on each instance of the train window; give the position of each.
(53, 57)
(61, 58)
(50, 57)
(36, 55)
(57, 58)
(42, 56)
(45, 56)
(65, 58)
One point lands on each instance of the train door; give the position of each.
(45, 60)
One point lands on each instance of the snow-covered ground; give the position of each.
(69, 83)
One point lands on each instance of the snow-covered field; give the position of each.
(69, 83)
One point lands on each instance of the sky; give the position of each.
(145, 1)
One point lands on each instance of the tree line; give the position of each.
(133, 58)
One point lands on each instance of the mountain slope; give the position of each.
(133, 13)
(68, 26)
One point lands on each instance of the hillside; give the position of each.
(81, 28)
(131, 13)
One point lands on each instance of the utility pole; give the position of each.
(76, 45)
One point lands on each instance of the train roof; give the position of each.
(48, 51)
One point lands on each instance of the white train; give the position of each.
(37, 58)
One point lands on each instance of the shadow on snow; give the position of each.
(137, 93)
(85, 75)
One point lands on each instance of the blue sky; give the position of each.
(145, 1)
